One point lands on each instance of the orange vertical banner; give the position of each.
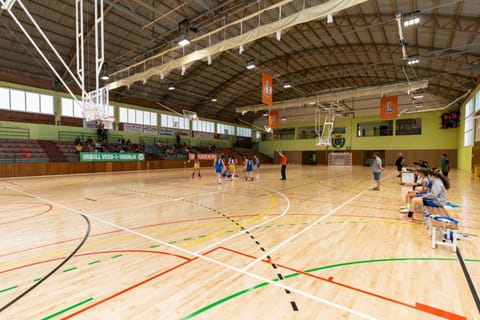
(273, 117)
(267, 90)
(389, 107)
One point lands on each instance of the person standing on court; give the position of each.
(399, 164)
(283, 161)
(445, 164)
(219, 166)
(196, 165)
(377, 170)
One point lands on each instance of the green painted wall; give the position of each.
(432, 137)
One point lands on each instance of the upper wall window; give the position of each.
(408, 127)
(375, 128)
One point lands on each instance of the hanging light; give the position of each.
(413, 61)
(251, 64)
(171, 86)
(287, 85)
(214, 99)
(184, 41)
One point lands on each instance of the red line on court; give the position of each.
(29, 217)
(97, 252)
(417, 306)
(126, 289)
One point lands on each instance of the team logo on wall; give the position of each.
(338, 141)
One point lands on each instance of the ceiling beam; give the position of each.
(300, 17)
(379, 91)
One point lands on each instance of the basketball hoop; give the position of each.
(95, 105)
(108, 123)
(190, 115)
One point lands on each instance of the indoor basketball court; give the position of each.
(161, 245)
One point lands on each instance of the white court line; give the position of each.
(294, 236)
(252, 275)
(216, 244)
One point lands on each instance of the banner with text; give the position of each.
(267, 89)
(389, 107)
(110, 156)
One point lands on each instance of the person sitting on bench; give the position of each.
(437, 195)
(418, 190)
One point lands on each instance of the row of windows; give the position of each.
(19, 100)
(471, 108)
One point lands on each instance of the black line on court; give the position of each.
(85, 237)
(90, 199)
(232, 220)
(469, 279)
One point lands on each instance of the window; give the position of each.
(244, 132)
(203, 126)
(25, 101)
(46, 104)
(70, 108)
(169, 121)
(17, 102)
(408, 127)
(33, 102)
(4, 98)
(135, 116)
(469, 123)
(225, 129)
(375, 128)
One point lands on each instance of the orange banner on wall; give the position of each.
(273, 119)
(267, 89)
(389, 107)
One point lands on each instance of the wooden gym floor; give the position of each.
(161, 245)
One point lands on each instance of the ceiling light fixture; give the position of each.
(411, 22)
(105, 77)
(417, 96)
(329, 18)
(278, 35)
(241, 49)
(171, 86)
(287, 85)
(184, 41)
(413, 61)
(251, 64)
(214, 99)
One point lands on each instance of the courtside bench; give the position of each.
(442, 228)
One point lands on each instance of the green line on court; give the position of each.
(229, 231)
(201, 310)
(67, 309)
(155, 246)
(280, 225)
(239, 293)
(202, 236)
(94, 262)
(172, 242)
(70, 269)
(7, 289)
(187, 239)
(116, 256)
(36, 280)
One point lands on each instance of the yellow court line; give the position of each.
(240, 222)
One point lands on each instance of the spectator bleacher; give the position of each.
(21, 150)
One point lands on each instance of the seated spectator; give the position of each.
(89, 140)
(437, 194)
(423, 185)
(78, 148)
(77, 141)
